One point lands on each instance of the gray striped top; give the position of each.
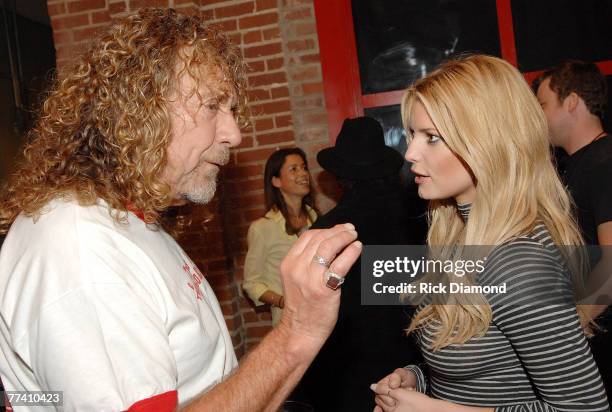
(534, 356)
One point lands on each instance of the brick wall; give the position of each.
(279, 42)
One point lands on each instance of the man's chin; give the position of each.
(202, 194)
(198, 198)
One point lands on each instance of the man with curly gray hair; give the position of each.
(98, 301)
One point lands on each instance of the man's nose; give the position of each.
(229, 130)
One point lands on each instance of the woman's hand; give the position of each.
(397, 392)
(405, 400)
(399, 378)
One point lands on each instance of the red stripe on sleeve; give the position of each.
(165, 402)
(7, 402)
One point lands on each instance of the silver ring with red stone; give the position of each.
(333, 280)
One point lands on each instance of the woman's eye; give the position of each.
(409, 136)
(432, 138)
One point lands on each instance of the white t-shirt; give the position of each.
(109, 314)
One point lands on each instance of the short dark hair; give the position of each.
(582, 78)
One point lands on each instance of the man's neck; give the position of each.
(583, 134)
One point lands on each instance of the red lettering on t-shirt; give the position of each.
(195, 274)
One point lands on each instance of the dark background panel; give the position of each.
(399, 41)
(607, 121)
(391, 120)
(27, 61)
(550, 31)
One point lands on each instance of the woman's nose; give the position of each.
(412, 152)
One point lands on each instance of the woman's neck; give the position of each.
(294, 205)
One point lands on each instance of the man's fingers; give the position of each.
(320, 252)
(343, 263)
(312, 238)
(328, 244)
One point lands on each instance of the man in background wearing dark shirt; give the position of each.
(573, 97)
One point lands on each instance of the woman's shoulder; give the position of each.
(535, 245)
(530, 266)
(270, 219)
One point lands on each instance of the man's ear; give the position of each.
(276, 182)
(571, 102)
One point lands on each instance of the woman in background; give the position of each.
(289, 212)
(480, 152)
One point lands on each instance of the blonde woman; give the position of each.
(479, 150)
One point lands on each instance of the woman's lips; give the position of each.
(419, 178)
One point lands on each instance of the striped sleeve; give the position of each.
(545, 333)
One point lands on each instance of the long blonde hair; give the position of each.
(491, 120)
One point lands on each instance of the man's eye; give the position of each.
(212, 106)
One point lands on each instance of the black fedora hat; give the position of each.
(360, 152)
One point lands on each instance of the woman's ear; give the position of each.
(276, 182)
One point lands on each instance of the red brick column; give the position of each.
(279, 43)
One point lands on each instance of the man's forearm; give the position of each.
(285, 390)
(265, 378)
(271, 371)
